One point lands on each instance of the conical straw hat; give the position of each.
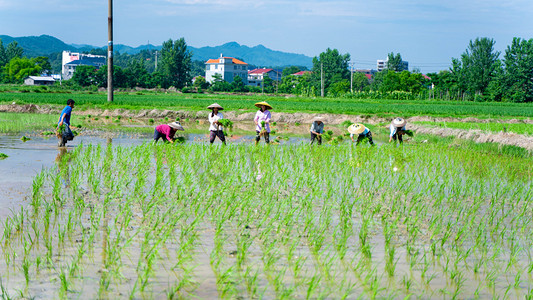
(258, 104)
(215, 105)
(356, 128)
(399, 122)
(176, 125)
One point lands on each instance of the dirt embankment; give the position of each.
(478, 136)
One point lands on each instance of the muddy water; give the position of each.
(27, 159)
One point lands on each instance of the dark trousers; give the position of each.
(265, 134)
(217, 133)
(365, 136)
(398, 137)
(317, 137)
(158, 135)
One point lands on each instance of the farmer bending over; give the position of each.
(362, 133)
(397, 130)
(317, 128)
(167, 131)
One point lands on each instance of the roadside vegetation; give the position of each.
(518, 128)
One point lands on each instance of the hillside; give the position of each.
(258, 55)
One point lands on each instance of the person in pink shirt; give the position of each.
(262, 122)
(167, 131)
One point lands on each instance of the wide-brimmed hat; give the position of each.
(318, 118)
(215, 105)
(258, 104)
(356, 128)
(176, 125)
(399, 122)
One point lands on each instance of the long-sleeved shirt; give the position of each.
(316, 127)
(262, 116)
(393, 129)
(166, 130)
(212, 119)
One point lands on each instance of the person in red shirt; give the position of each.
(167, 131)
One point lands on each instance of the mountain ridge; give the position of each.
(258, 55)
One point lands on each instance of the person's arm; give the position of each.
(168, 134)
(392, 132)
(256, 118)
(62, 118)
(351, 136)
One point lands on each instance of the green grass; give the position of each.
(244, 103)
(20, 123)
(519, 128)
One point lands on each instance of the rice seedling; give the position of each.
(198, 221)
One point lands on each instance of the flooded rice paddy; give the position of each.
(114, 217)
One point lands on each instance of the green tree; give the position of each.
(3, 55)
(176, 63)
(19, 68)
(86, 76)
(334, 66)
(200, 83)
(395, 62)
(517, 78)
(360, 81)
(479, 65)
(268, 84)
(13, 50)
(237, 85)
(290, 70)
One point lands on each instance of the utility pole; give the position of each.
(321, 80)
(110, 52)
(156, 60)
(351, 76)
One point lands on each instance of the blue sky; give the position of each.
(426, 33)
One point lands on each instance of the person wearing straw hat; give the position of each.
(262, 121)
(317, 128)
(362, 133)
(397, 129)
(167, 131)
(215, 128)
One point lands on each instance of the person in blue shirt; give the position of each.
(362, 133)
(64, 120)
(317, 128)
(397, 130)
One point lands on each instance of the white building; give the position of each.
(227, 67)
(72, 60)
(382, 65)
(39, 80)
(256, 76)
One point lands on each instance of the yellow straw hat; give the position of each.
(356, 128)
(258, 104)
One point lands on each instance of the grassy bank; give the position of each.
(193, 102)
(519, 128)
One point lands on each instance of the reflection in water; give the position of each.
(62, 159)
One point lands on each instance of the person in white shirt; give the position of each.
(362, 133)
(397, 130)
(262, 122)
(215, 128)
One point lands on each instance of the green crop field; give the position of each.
(425, 220)
(175, 101)
(519, 128)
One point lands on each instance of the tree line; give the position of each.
(479, 74)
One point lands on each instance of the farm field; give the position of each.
(195, 102)
(423, 220)
(518, 128)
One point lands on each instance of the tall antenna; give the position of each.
(110, 52)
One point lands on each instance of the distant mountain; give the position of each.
(258, 55)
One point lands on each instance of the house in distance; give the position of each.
(227, 67)
(72, 60)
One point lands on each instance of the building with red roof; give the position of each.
(227, 67)
(256, 76)
(301, 73)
